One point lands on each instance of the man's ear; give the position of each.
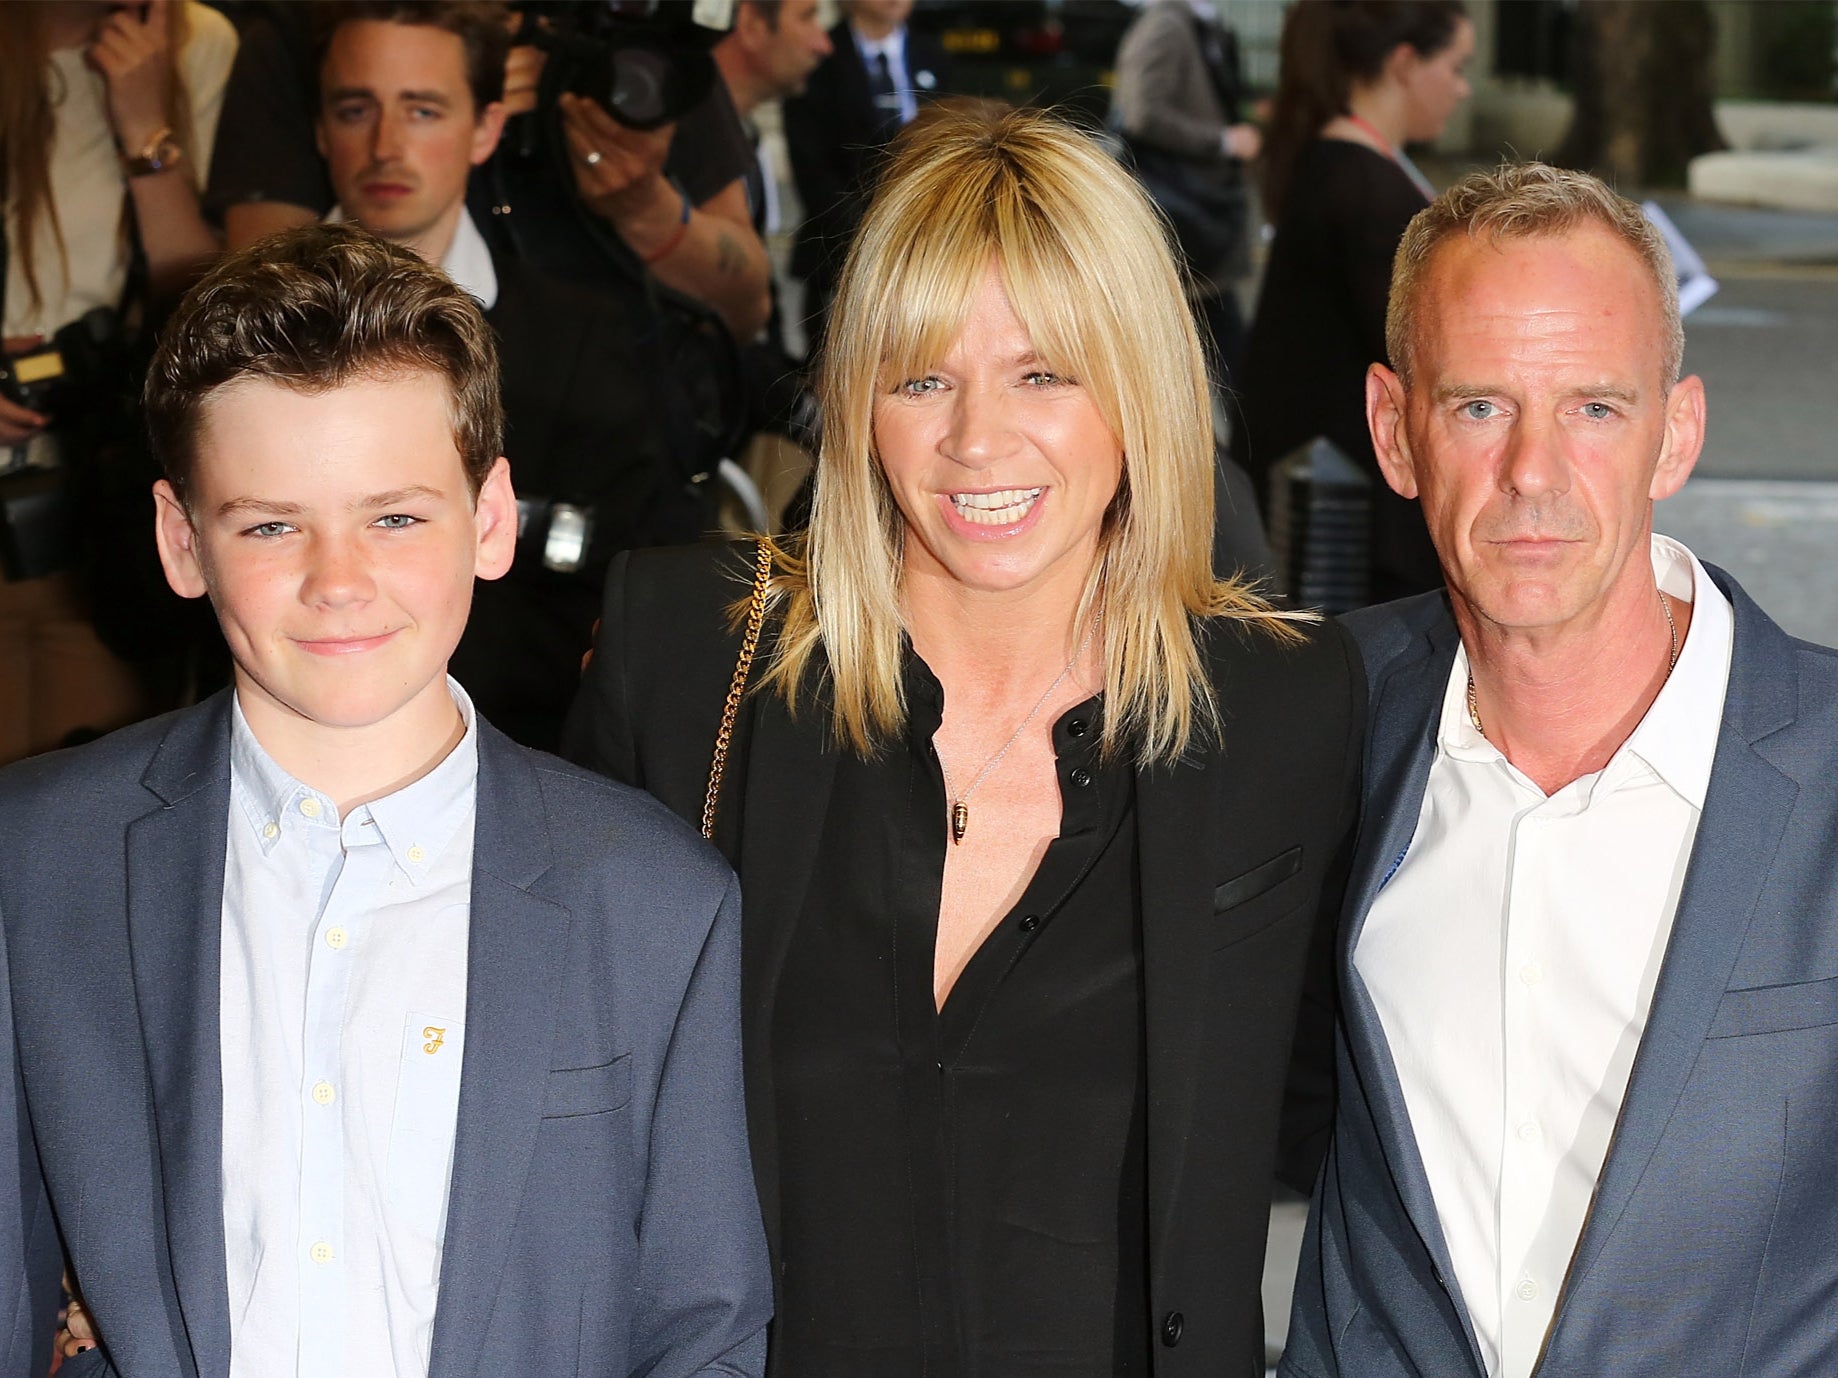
(494, 515)
(486, 131)
(177, 540)
(1684, 438)
(1385, 419)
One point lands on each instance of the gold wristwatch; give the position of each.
(160, 152)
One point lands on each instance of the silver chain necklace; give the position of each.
(960, 803)
(1474, 708)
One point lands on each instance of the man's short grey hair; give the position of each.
(1524, 201)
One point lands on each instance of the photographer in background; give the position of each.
(410, 101)
(107, 115)
(669, 200)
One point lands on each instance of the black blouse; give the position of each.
(963, 1190)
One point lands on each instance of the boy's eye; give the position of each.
(269, 530)
(397, 521)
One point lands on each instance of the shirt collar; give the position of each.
(467, 261)
(1677, 739)
(417, 822)
(894, 45)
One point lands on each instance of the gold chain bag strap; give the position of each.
(756, 617)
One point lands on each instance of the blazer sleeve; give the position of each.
(707, 1293)
(1163, 93)
(30, 1255)
(1308, 1102)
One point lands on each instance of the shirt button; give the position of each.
(1172, 1325)
(310, 807)
(1531, 973)
(1081, 777)
(323, 1092)
(1530, 1133)
(320, 1253)
(1077, 727)
(335, 938)
(1029, 922)
(416, 855)
(271, 831)
(1528, 1290)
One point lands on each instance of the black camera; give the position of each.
(61, 377)
(646, 61)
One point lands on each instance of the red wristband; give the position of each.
(670, 244)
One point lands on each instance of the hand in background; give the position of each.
(619, 171)
(132, 54)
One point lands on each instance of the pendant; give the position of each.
(960, 821)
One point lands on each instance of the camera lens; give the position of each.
(641, 80)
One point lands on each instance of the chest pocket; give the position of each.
(575, 1091)
(1257, 898)
(1776, 1009)
(427, 1112)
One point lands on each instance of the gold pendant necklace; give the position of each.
(960, 805)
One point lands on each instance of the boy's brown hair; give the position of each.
(312, 309)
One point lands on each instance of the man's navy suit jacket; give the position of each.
(602, 1217)
(1711, 1245)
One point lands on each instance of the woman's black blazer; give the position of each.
(1243, 849)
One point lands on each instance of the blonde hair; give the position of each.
(1086, 266)
(1524, 201)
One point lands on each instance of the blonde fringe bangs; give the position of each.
(1083, 258)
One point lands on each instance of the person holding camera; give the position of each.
(668, 202)
(410, 101)
(107, 116)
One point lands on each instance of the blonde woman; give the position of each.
(1034, 817)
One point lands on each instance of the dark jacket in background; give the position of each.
(836, 138)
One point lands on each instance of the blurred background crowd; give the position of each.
(653, 199)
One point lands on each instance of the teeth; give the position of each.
(1002, 508)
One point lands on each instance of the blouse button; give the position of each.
(1029, 922)
(1081, 777)
(1076, 727)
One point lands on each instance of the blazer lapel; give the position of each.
(789, 776)
(1174, 805)
(175, 921)
(1401, 748)
(517, 944)
(1745, 816)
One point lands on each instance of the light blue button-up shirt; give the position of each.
(343, 990)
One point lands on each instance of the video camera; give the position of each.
(647, 62)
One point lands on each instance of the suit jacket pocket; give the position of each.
(1776, 1009)
(588, 1090)
(1251, 902)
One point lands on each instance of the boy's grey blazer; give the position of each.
(1712, 1243)
(602, 1217)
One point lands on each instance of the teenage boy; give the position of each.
(389, 1047)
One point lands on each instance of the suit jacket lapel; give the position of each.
(517, 944)
(1401, 747)
(1745, 816)
(175, 922)
(787, 793)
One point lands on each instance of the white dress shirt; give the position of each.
(467, 260)
(1512, 958)
(343, 990)
(893, 47)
